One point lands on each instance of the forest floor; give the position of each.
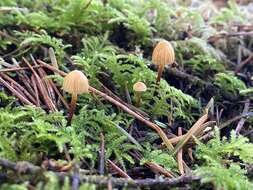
(192, 130)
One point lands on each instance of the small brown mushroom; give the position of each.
(139, 87)
(75, 83)
(163, 54)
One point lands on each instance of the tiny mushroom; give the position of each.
(163, 54)
(75, 83)
(139, 87)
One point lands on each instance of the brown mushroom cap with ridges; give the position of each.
(163, 53)
(76, 83)
(139, 87)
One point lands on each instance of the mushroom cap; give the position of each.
(163, 53)
(76, 83)
(140, 87)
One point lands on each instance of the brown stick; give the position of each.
(26, 93)
(15, 92)
(35, 90)
(26, 81)
(242, 120)
(62, 73)
(157, 168)
(180, 156)
(42, 89)
(17, 69)
(43, 76)
(118, 170)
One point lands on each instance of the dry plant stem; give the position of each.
(60, 73)
(18, 90)
(36, 91)
(157, 168)
(102, 155)
(109, 184)
(180, 156)
(176, 139)
(122, 106)
(118, 170)
(138, 99)
(189, 151)
(72, 108)
(49, 88)
(26, 81)
(43, 76)
(242, 120)
(153, 166)
(23, 90)
(191, 132)
(16, 69)
(159, 74)
(15, 92)
(42, 89)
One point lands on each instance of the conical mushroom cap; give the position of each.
(163, 53)
(76, 83)
(139, 87)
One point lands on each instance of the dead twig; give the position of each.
(21, 88)
(242, 120)
(15, 92)
(35, 90)
(153, 166)
(17, 69)
(118, 170)
(180, 156)
(191, 132)
(42, 89)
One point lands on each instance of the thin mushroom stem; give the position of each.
(159, 74)
(72, 108)
(138, 99)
